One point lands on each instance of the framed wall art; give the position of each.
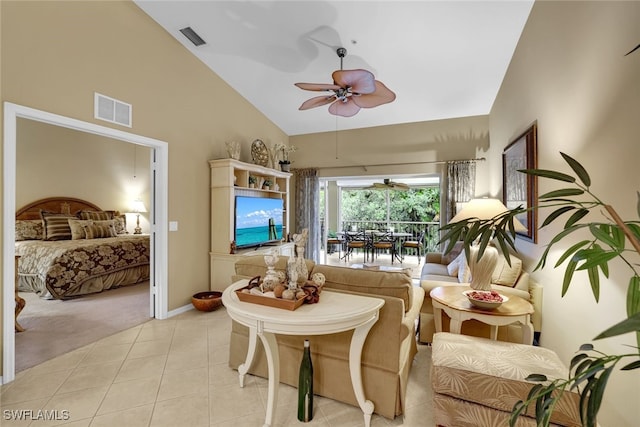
(520, 189)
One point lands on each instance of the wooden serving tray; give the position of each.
(285, 304)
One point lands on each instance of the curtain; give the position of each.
(461, 186)
(307, 209)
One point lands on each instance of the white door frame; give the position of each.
(159, 215)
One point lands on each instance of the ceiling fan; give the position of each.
(387, 183)
(351, 91)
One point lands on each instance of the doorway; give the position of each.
(158, 214)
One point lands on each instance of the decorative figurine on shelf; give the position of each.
(232, 247)
(259, 153)
(233, 149)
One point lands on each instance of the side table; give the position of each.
(451, 300)
(333, 314)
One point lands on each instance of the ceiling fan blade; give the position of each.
(346, 108)
(317, 86)
(399, 186)
(317, 101)
(382, 95)
(360, 81)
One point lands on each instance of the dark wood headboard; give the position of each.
(68, 205)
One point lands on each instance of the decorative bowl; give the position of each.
(488, 300)
(207, 301)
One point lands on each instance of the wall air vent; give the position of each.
(192, 36)
(111, 110)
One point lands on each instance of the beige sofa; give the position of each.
(508, 280)
(388, 351)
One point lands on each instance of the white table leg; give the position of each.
(494, 332)
(273, 362)
(455, 326)
(527, 332)
(355, 359)
(251, 351)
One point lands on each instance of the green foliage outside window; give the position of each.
(417, 205)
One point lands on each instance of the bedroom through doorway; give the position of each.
(137, 168)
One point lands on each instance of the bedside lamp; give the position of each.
(482, 270)
(137, 207)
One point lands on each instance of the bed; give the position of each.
(69, 247)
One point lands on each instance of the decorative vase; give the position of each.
(233, 149)
(301, 266)
(271, 278)
(292, 272)
(482, 270)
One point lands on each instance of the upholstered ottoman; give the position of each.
(476, 381)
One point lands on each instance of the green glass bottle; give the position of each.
(305, 386)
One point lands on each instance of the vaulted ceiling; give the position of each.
(443, 59)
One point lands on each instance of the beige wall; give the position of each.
(438, 140)
(57, 161)
(569, 74)
(407, 149)
(55, 55)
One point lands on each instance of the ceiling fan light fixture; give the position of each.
(352, 90)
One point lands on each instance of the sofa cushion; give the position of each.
(454, 266)
(377, 282)
(505, 274)
(455, 251)
(435, 270)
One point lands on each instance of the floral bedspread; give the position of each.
(63, 266)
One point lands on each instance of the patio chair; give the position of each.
(332, 242)
(356, 241)
(384, 241)
(416, 245)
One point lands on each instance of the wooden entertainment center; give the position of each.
(230, 178)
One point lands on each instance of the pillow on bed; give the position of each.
(100, 231)
(56, 226)
(77, 228)
(95, 215)
(29, 229)
(120, 222)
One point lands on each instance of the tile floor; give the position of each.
(174, 373)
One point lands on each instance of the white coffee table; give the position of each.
(452, 301)
(336, 312)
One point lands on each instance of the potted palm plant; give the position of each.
(590, 369)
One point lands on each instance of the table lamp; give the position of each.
(137, 207)
(482, 269)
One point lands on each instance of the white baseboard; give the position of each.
(180, 310)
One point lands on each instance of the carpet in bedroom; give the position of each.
(55, 327)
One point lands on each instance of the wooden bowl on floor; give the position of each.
(207, 301)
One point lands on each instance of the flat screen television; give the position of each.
(258, 220)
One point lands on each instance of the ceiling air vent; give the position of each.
(112, 110)
(192, 36)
